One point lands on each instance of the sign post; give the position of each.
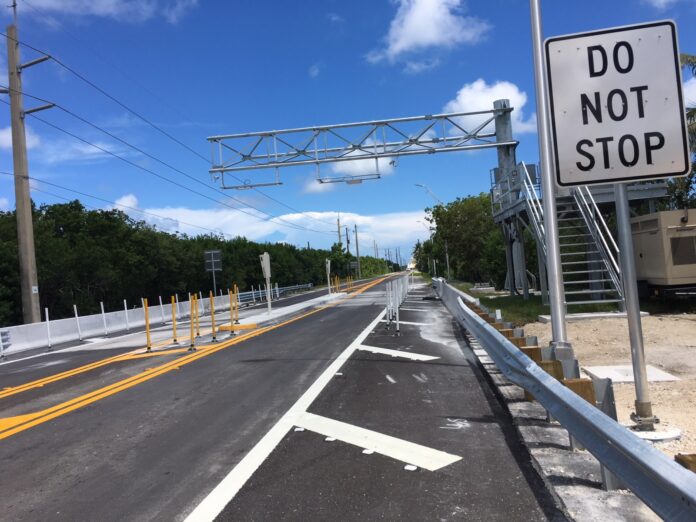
(213, 263)
(617, 116)
(266, 267)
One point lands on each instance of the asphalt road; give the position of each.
(149, 438)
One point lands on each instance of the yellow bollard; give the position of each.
(174, 319)
(147, 325)
(212, 315)
(192, 345)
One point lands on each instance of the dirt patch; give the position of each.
(670, 344)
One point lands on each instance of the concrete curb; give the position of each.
(573, 477)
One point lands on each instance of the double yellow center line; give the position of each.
(12, 425)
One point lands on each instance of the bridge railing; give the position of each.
(55, 332)
(665, 486)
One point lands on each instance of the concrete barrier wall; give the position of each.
(31, 336)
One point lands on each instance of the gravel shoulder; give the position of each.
(670, 344)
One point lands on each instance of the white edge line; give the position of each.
(213, 504)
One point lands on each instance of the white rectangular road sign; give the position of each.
(617, 112)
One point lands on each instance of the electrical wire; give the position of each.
(85, 194)
(146, 120)
(278, 220)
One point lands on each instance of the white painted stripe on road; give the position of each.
(396, 353)
(408, 322)
(399, 449)
(390, 379)
(225, 491)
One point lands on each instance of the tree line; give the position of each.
(85, 257)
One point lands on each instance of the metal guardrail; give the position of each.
(665, 486)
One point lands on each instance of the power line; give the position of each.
(280, 221)
(148, 122)
(45, 182)
(168, 165)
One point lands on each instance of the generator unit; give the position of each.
(664, 245)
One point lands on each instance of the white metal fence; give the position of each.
(49, 333)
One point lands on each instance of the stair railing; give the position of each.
(600, 232)
(536, 211)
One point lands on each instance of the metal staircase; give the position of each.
(589, 255)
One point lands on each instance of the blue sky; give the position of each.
(199, 68)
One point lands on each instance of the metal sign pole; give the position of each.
(561, 348)
(643, 415)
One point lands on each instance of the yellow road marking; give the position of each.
(12, 425)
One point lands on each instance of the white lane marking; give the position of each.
(390, 379)
(420, 378)
(225, 491)
(455, 424)
(396, 353)
(411, 323)
(415, 309)
(399, 449)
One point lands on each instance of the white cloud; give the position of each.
(32, 138)
(314, 70)
(661, 4)
(312, 186)
(4, 204)
(479, 95)
(123, 10)
(127, 201)
(689, 89)
(335, 18)
(61, 151)
(425, 24)
(363, 166)
(419, 66)
(389, 229)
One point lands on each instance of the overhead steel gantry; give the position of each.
(367, 141)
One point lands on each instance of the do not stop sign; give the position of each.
(617, 111)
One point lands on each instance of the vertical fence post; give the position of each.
(212, 315)
(200, 296)
(232, 332)
(101, 305)
(197, 312)
(178, 305)
(277, 292)
(174, 320)
(236, 304)
(147, 324)
(398, 303)
(48, 329)
(161, 309)
(125, 313)
(77, 321)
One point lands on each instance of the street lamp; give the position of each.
(439, 201)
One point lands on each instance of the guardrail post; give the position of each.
(398, 332)
(197, 316)
(48, 329)
(174, 320)
(277, 292)
(147, 324)
(101, 305)
(125, 313)
(77, 322)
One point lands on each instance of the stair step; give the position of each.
(585, 271)
(577, 244)
(587, 281)
(575, 227)
(595, 301)
(601, 291)
(564, 263)
(579, 253)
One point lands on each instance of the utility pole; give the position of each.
(347, 242)
(357, 251)
(338, 225)
(447, 261)
(374, 243)
(25, 228)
